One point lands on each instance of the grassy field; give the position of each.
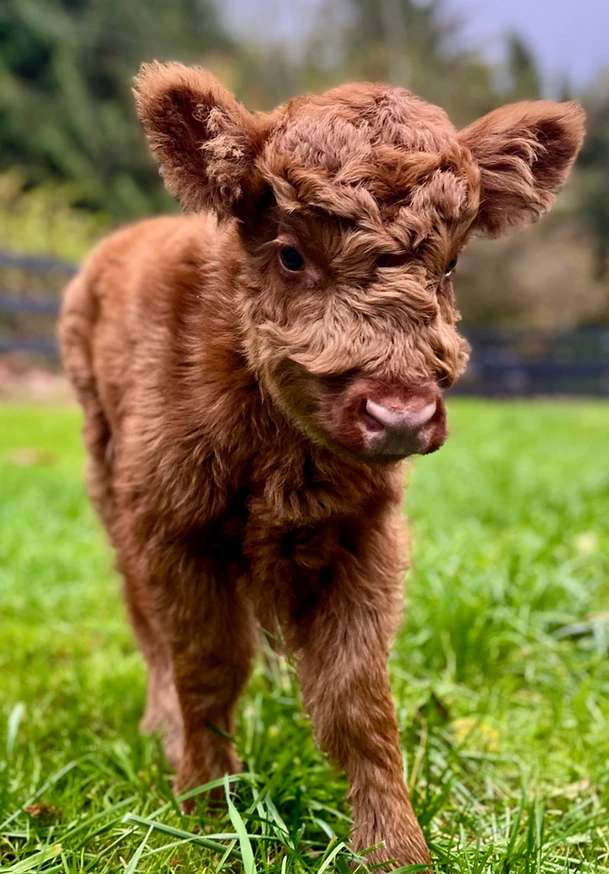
(501, 672)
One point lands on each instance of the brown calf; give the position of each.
(252, 376)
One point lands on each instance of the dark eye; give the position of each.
(451, 267)
(394, 260)
(291, 259)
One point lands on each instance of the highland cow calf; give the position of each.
(252, 376)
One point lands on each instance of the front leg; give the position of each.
(212, 635)
(342, 643)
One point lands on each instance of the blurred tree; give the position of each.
(523, 76)
(594, 175)
(65, 104)
(542, 277)
(46, 213)
(409, 43)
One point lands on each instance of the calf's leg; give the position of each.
(342, 643)
(212, 638)
(162, 704)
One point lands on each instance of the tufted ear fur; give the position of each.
(524, 151)
(204, 140)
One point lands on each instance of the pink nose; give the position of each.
(397, 430)
(407, 420)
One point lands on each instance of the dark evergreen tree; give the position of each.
(66, 108)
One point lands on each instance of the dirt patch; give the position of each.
(26, 383)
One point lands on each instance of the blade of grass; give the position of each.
(34, 861)
(330, 857)
(138, 853)
(131, 818)
(247, 853)
(14, 720)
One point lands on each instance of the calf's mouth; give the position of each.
(377, 420)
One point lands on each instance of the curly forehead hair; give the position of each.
(375, 155)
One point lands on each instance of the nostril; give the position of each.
(406, 420)
(372, 422)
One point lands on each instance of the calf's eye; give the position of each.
(398, 259)
(291, 259)
(451, 267)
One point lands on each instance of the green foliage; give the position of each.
(523, 77)
(44, 219)
(500, 675)
(66, 109)
(543, 278)
(415, 45)
(594, 188)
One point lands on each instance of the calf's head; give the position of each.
(351, 209)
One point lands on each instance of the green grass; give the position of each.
(501, 672)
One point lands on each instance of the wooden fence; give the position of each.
(522, 362)
(30, 290)
(504, 362)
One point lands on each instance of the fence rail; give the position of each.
(36, 264)
(504, 362)
(30, 288)
(524, 362)
(19, 303)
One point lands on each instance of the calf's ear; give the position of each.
(525, 152)
(205, 141)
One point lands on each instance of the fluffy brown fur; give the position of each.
(245, 421)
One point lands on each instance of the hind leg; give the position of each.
(100, 398)
(162, 705)
(97, 438)
(76, 329)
